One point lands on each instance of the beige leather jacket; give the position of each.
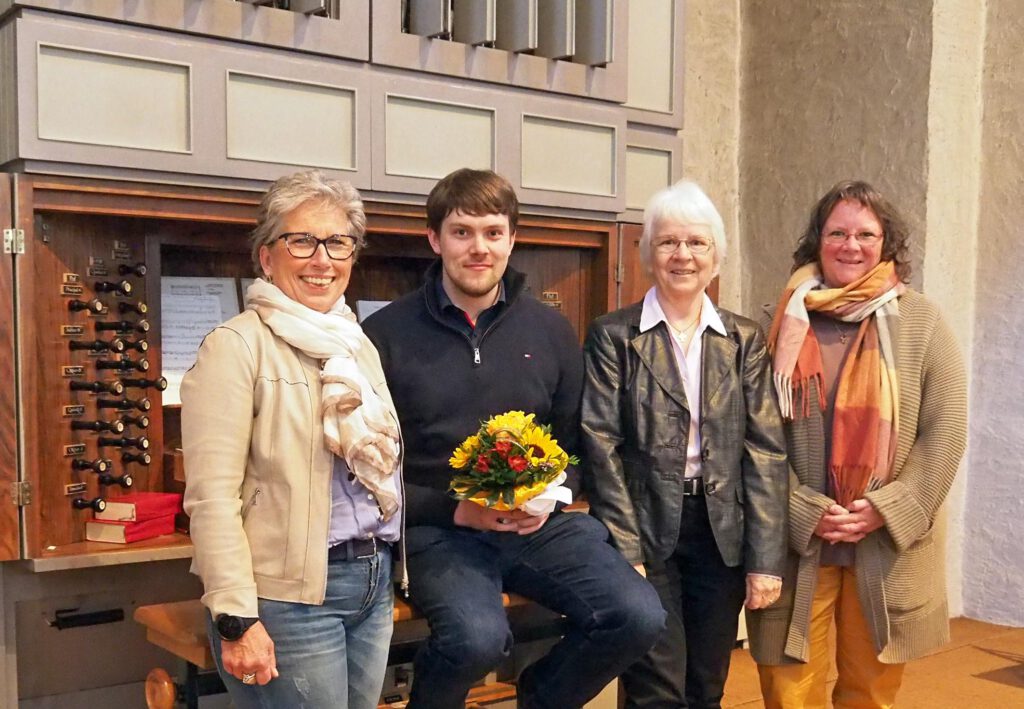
(258, 475)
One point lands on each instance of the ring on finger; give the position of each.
(248, 678)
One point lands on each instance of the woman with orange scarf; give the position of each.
(873, 394)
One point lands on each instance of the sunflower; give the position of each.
(511, 422)
(465, 453)
(540, 447)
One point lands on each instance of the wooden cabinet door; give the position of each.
(633, 280)
(10, 535)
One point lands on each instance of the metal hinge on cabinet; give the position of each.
(620, 272)
(14, 241)
(21, 493)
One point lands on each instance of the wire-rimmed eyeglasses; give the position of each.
(865, 238)
(695, 245)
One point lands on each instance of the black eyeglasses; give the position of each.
(339, 247)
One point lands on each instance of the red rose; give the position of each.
(517, 463)
(503, 447)
(482, 464)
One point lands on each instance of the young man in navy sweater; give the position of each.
(469, 344)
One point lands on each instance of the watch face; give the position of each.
(230, 627)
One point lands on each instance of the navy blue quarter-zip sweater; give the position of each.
(445, 381)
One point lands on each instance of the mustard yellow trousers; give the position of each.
(864, 682)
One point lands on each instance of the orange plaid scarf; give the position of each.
(865, 419)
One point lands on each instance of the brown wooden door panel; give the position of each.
(635, 281)
(10, 536)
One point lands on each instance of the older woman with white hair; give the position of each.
(686, 456)
(292, 465)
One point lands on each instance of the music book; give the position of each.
(140, 506)
(125, 532)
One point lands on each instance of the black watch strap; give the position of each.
(233, 627)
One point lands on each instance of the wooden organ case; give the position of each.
(81, 409)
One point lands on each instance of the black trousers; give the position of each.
(703, 597)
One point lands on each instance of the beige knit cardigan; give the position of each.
(900, 575)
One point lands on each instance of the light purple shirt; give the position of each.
(354, 510)
(689, 365)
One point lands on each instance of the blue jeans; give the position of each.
(328, 656)
(457, 576)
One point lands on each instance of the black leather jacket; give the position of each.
(635, 423)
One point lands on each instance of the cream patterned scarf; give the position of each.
(359, 426)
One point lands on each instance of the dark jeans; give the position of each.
(703, 597)
(456, 579)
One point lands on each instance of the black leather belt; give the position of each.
(693, 486)
(355, 549)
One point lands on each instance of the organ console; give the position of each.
(95, 338)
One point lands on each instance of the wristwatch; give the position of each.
(233, 627)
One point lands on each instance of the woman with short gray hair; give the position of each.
(684, 441)
(293, 467)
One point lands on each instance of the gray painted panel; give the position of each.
(347, 36)
(210, 61)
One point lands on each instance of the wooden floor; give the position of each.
(982, 668)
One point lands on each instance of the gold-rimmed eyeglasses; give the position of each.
(339, 247)
(695, 245)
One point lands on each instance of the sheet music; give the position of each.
(223, 288)
(189, 309)
(244, 284)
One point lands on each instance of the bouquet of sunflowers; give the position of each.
(511, 463)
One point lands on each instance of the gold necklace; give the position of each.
(843, 336)
(681, 334)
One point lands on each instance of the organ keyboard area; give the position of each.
(96, 359)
